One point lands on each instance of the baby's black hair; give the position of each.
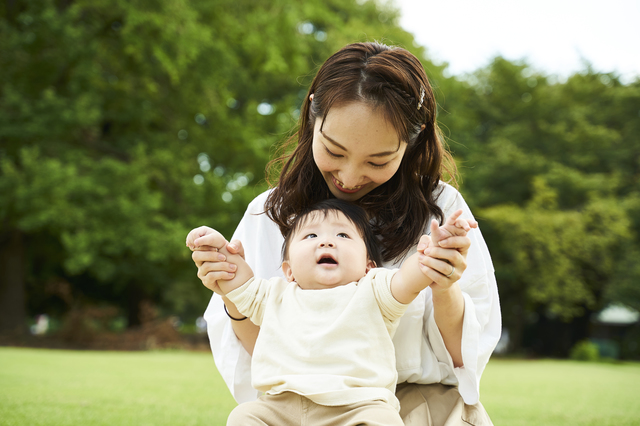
(354, 213)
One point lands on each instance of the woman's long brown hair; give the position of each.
(393, 80)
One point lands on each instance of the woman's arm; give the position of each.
(436, 267)
(448, 310)
(481, 322)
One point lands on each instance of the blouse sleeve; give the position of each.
(262, 243)
(482, 322)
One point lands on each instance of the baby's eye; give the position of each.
(343, 235)
(306, 237)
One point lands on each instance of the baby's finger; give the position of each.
(451, 220)
(199, 232)
(462, 224)
(434, 227)
(424, 242)
(213, 239)
(192, 235)
(235, 247)
(466, 224)
(460, 243)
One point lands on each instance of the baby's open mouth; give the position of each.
(327, 259)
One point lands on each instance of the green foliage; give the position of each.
(630, 345)
(585, 350)
(551, 171)
(125, 124)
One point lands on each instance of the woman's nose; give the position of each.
(349, 177)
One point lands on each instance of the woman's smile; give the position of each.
(343, 188)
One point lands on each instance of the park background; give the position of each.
(123, 125)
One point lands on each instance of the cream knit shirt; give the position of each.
(332, 346)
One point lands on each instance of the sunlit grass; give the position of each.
(551, 392)
(55, 387)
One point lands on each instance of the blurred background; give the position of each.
(123, 125)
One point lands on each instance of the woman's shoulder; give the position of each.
(446, 192)
(256, 224)
(256, 206)
(449, 198)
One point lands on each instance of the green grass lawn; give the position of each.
(551, 392)
(55, 387)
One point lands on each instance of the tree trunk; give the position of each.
(135, 297)
(12, 283)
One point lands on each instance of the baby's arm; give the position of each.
(409, 281)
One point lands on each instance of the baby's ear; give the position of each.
(288, 273)
(370, 265)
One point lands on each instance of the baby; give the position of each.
(324, 351)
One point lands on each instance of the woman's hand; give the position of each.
(445, 261)
(212, 266)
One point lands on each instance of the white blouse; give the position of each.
(421, 356)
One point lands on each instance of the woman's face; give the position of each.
(356, 151)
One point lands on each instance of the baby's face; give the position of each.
(326, 252)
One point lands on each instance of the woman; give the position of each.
(368, 135)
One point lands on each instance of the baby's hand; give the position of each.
(213, 238)
(455, 226)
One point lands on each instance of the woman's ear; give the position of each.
(288, 273)
(370, 265)
(311, 97)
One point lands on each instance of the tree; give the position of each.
(125, 124)
(551, 171)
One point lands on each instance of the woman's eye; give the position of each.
(343, 235)
(331, 154)
(306, 237)
(378, 166)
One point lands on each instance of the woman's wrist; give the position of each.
(446, 295)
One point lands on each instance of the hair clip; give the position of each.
(422, 93)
